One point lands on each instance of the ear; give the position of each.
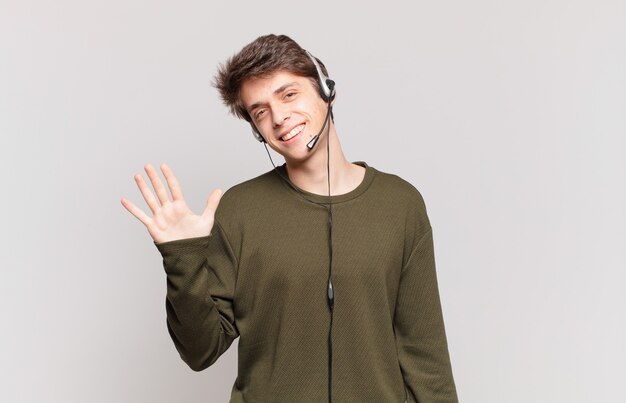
(257, 134)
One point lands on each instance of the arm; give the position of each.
(199, 303)
(419, 328)
(200, 269)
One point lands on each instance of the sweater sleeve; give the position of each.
(199, 301)
(419, 328)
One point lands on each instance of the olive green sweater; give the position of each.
(262, 276)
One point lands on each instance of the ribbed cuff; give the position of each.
(182, 245)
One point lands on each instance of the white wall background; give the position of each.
(509, 117)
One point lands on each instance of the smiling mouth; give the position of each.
(293, 133)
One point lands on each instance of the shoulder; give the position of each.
(404, 198)
(258, 185)
(399, 190)
(243, 199)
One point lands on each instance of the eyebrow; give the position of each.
(277, 91)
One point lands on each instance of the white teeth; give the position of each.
(292, 133)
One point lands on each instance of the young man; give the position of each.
(323, 268)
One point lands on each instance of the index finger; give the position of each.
(172, 182)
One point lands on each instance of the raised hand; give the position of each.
(171, 220)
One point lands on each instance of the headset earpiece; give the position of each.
(256, 133)
(327, 86)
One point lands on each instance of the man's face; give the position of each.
(288, 111)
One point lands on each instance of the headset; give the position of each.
(327, 92)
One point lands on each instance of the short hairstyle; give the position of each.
(259, 59)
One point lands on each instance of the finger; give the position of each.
(212, 202)
(159, 189)
(137, 212)
(172, 182)
(146, 193)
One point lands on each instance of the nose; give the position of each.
(279, 116)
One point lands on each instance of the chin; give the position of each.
(298, 158)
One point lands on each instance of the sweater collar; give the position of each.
(356, 192)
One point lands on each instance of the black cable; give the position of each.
(330, 289)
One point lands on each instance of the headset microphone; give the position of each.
(330, 84)
(327, 92)
(314, 140)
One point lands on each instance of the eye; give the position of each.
(259, 114)
(290, 95)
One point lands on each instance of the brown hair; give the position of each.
(258, 59)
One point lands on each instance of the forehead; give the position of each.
(259, 89)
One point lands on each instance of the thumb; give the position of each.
(212, 202)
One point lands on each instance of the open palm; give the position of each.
(172, 219)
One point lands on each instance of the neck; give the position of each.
(311, 174)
